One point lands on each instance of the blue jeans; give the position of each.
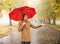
(25, 42)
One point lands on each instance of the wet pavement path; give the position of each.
(43, 35)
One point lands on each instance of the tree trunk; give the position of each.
(10, 20)
(44, 20)
(54, 21)
(54, 18)
(49, 21)
(10, 23)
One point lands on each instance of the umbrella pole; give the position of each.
(10, 22)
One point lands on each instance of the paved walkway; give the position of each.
(43, 35)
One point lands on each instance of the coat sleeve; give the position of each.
(33, 26)
(20, 26)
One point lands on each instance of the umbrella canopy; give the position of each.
(17, 13)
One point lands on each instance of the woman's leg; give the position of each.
(22, 42)
(28, 42)
(25, 42)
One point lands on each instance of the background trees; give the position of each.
(9, 5)
(50, 10)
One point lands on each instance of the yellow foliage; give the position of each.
(52, 3)
(0, 14)
(55, 8)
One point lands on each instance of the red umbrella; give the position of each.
(17, 13)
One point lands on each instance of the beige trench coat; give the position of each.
(25, 31)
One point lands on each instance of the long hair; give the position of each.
(23, 17)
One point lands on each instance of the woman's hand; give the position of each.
(24, 23)
(43, 24)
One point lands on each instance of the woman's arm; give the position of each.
(33, 26)
(20, 26)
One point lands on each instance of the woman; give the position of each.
(24, 27)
